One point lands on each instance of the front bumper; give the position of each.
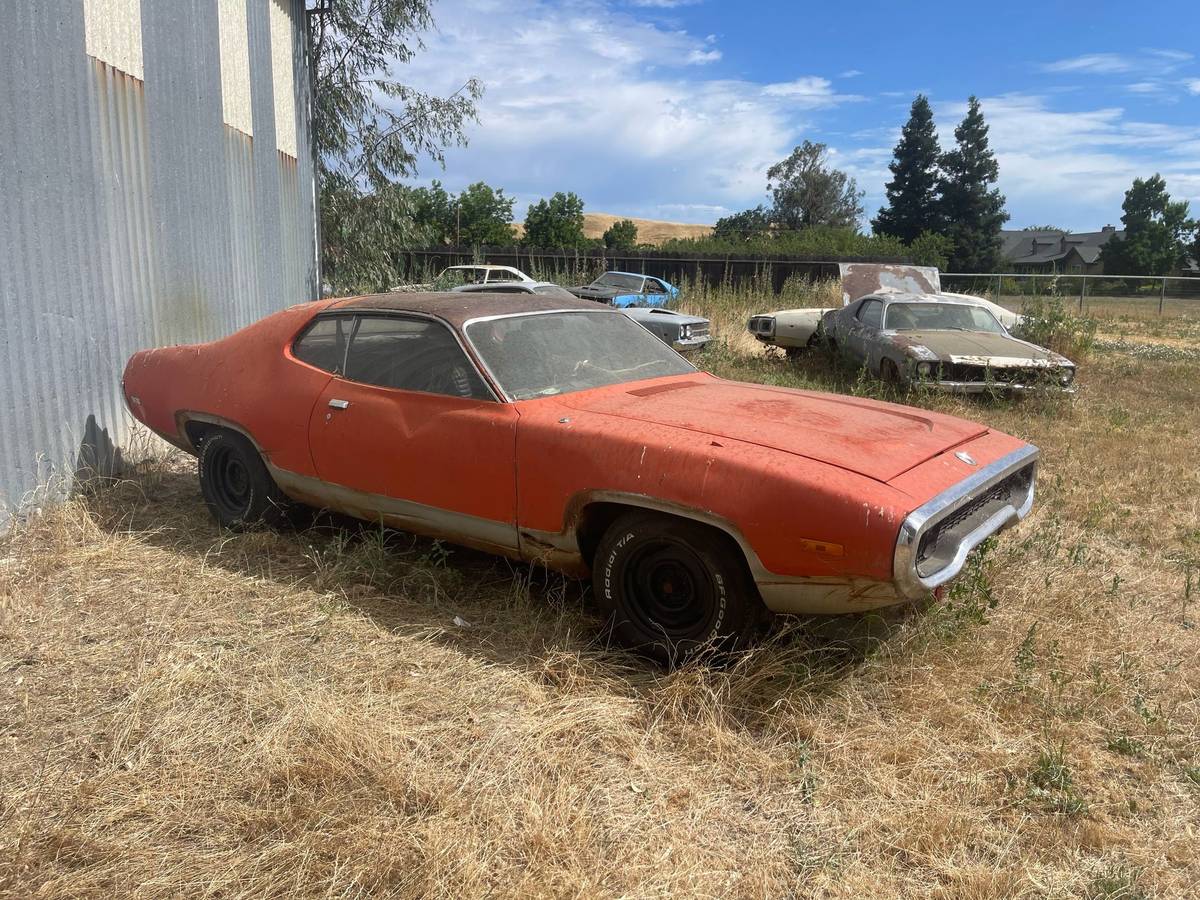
(691, 345)
(936, 538)
(996, 387)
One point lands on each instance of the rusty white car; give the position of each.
(946, 342)
(558, 431)
(797, 330)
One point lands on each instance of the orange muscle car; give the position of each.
(563, 432)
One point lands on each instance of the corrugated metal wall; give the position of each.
(133, 217)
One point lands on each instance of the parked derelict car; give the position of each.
(795, 330)
(560, 432)
(944, 342)
(482, 274)
(628, 289)
(680, 331)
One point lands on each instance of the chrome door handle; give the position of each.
(339, 404)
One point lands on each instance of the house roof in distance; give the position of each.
(1036, 247)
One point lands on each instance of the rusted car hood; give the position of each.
(878, 440)
(947, 344)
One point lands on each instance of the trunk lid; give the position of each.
(878, 440)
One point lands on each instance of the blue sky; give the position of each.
(674, 109)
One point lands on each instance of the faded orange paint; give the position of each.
(815, 485)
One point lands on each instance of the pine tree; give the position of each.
(912, 194)
(972, 210)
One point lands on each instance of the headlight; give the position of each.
(924, 369)
(1066, 376)
(685, 332)
(764, 325)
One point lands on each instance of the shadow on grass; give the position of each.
(505, 613)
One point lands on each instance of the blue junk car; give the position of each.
(624, 289)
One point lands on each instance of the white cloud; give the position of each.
(699, 56)
(1148, 61)
(809, 92)
(610, 106)
(850, 73)
(1193, 85)
(1095, 63)
(665, 4)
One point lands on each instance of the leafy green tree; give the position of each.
(432, 210)
(806, 191)
(555, 223)
(369, 129)
(1157, 231)
(913, 205)
(621, 235)
(745, 225)
(1046, 228)
(930, 249)
(972, 209)
(361, 234)
(483, 216)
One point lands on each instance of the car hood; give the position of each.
(950, 345)
(650, 314)
(601, 291)
(878, 440)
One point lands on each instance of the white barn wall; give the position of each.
(134, 215)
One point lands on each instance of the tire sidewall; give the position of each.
(259, 480)
(729, 620)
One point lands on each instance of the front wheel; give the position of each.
(673, 588)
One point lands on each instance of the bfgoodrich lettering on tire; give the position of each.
(673, 588)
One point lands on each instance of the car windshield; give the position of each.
(617, 280)
(542, 354)
(940, 317)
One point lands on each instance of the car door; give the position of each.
(863, 331)
(653, 293)
(408, 428)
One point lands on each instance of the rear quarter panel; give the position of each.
(248, 379)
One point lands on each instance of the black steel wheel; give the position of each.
(672, 588)
(236, 485)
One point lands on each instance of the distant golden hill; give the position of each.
(650, 231)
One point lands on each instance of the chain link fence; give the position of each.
(1136, 296)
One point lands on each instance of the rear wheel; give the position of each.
(236, 485)
(673, 588)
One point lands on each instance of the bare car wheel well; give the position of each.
(596, 518)
(196, 432)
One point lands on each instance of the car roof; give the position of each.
(457, 307)
(523, 285)
(634, 274)
(899, 297)
(483, 266)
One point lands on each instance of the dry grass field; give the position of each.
(344, 712)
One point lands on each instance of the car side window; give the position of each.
(653, 287)
(412, 355)
(871, 314)
(324, 344)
